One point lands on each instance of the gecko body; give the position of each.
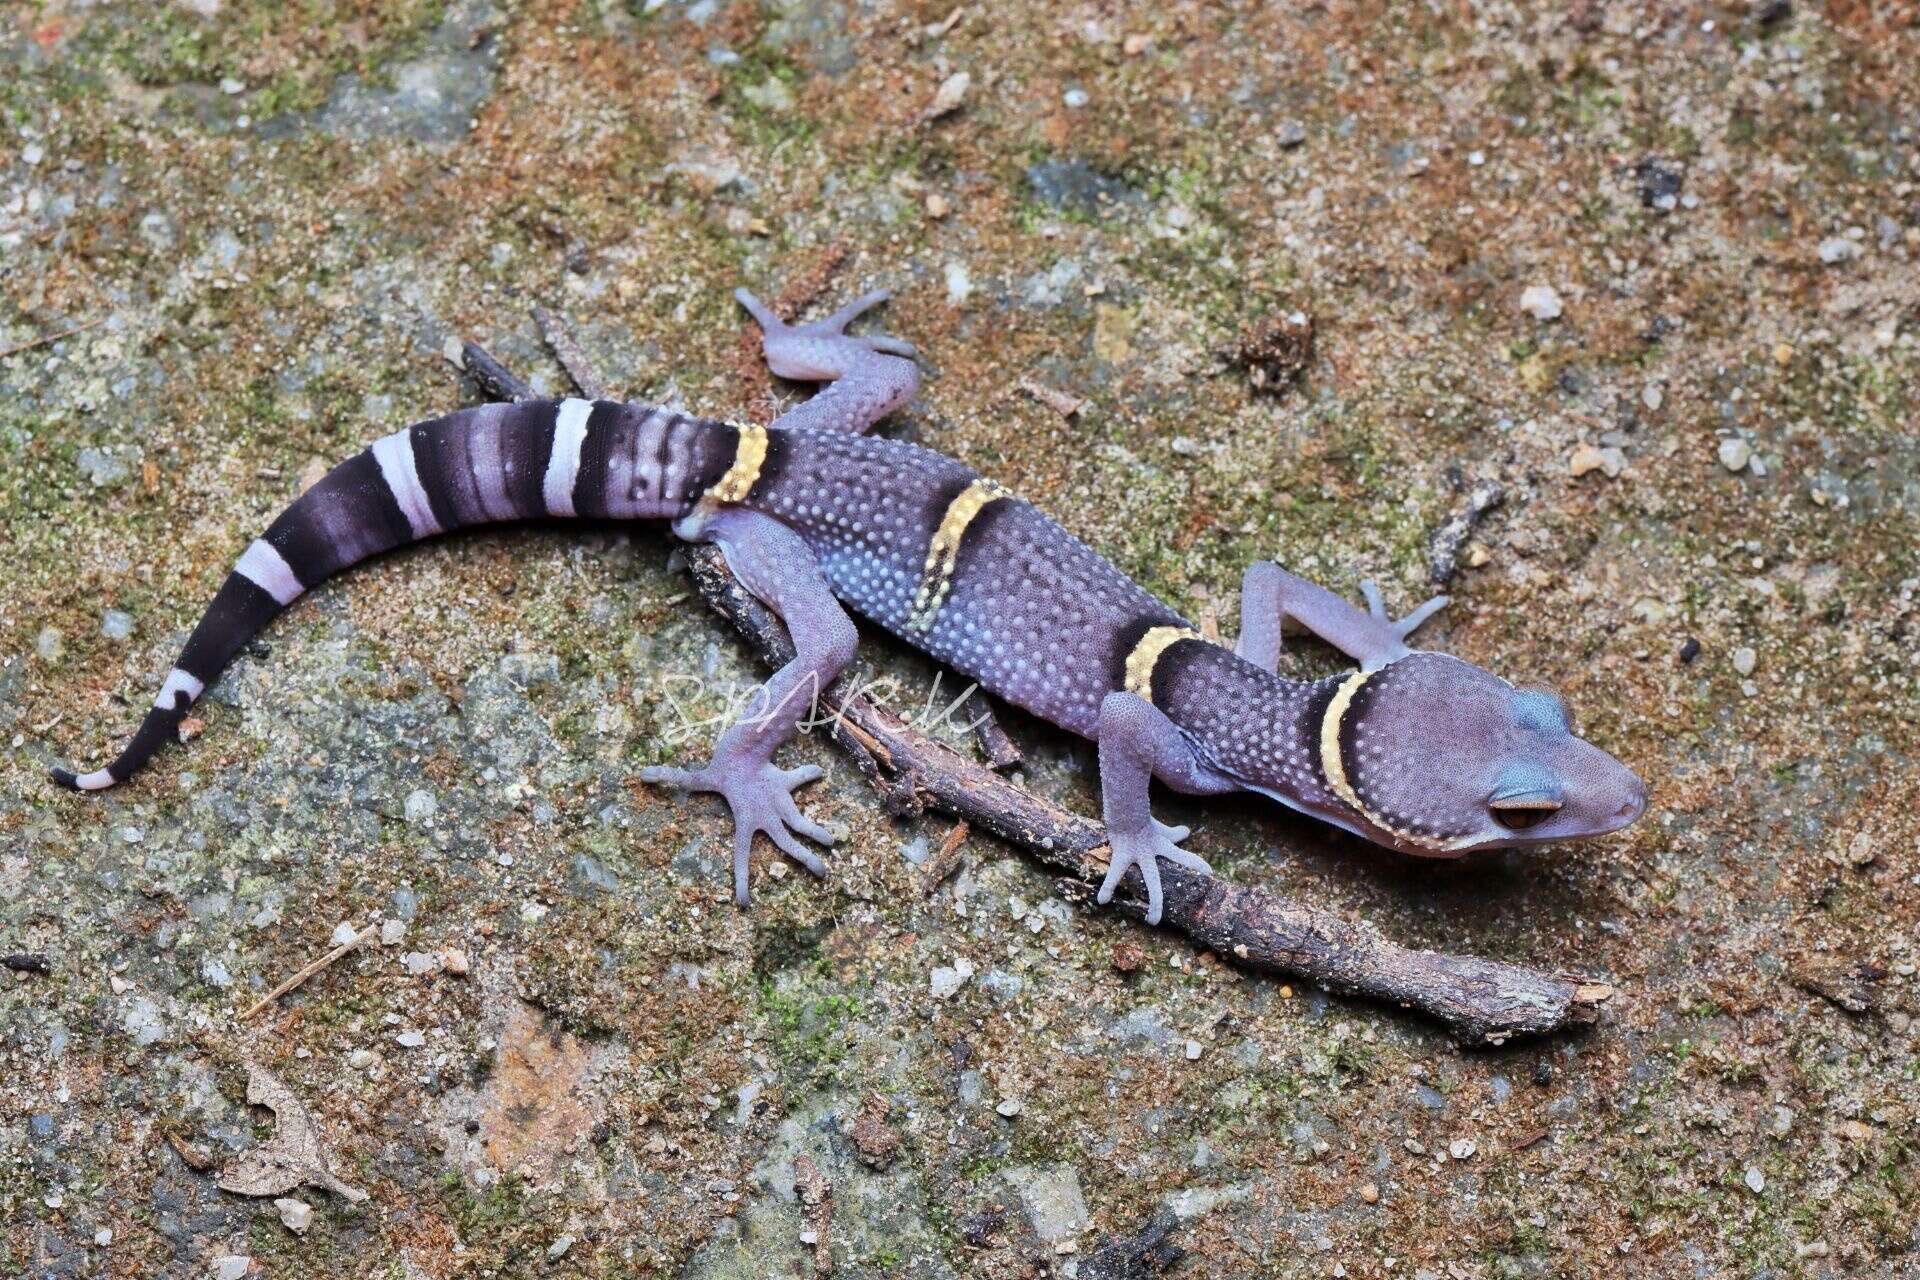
(1418, 751)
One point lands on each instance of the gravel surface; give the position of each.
(1649, 272)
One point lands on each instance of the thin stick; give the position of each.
(494, 378)
(571, 355)
(1481, 1002)
(1002, 752)
(310, 970)
(42, 341)
(945, 862)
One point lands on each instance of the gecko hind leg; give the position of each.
(774, 564)
(868, 376)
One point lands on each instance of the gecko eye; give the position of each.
(1520, 816)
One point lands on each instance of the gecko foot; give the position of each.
(822, 350)
(760, 794)
(1144, 849)
(1407, 625)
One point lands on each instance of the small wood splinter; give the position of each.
(315, 967)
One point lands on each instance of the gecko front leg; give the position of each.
(1137, 744)
(867, 377)
(1270, 597)
(775, 564)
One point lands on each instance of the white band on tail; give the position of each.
(178, 681)
(267, 569)
(394, 453)
(563, 468)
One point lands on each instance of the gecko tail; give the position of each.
(496, 463)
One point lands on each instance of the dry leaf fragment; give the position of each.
(292, 1158)
(876, 1140)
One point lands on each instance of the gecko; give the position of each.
(1415, 750)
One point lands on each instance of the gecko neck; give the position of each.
(1260, 729)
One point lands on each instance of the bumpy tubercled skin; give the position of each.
(1417, 751)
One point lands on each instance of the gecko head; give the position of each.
(1436, 757)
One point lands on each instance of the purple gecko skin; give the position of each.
(1416, 751)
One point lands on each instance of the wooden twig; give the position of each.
(571, 355)
(1002, 752)
(46, 338)
(1481, 1002)
(1443, 548)
(494, 379)
(311, 969)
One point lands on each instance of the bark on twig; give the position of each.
(987, 731)
(1481, 1002)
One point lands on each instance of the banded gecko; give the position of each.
(1418, 751)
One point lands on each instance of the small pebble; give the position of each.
(1291, 134)
(952, 92)
(1756, 1180)
(558, 1249)
(1136, 44)
(392, 932)
(1745, 660)
(1735, 453)
(48, 645)
(103, 1237)
(410, 1039)
(1837, 249)
(1010, 1107)
(1462, 1149)
(1075, 98)
(454, 961)
(946, 981)
(1541, 301)
(1193, 1051)
(344, 932)
(1370, 1193)
(116, 624)
(360, 1059)
(230, 1266)
(231, 86)
(1689, 650)
(295, 1215)
(938, 206)
(1610, 460)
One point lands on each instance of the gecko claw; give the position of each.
(1407, 625)
(1144, 849)
(760, 796)
(837, 322)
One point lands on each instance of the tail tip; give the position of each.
(98, 780)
